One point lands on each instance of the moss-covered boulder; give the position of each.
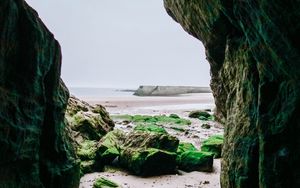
(89, 122)
(109, 146)
(190, 159)
(213, 144)
(149, 153)
(202, 115)
(195, 161)
(150, 128)
(105, 183)
(185, 146)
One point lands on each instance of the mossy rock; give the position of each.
(149, 161)
(202, 115)
(141, 139)
(185, 146)
(87, 121)
(108, 147)
(150, 128)
(105, 183)
(213, 144)
(195, 161)
(149, 153)
(87, 150)
(87, 167)
(174, 116)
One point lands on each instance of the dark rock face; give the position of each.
(253, 49)
(34, 149)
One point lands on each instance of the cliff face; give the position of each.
(34, 151)
(253, 50)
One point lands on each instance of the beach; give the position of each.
(194, 133)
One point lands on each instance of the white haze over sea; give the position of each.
(122, 44)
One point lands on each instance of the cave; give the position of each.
(253, 51)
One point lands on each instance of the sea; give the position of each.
(88, 92)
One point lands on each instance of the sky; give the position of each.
(122, 44)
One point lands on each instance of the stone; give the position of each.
(35, 149)
(105, 183)
(213, 144)
(87, 121)
(206, 126)
(109, 147)
(195, 161)
(190, 159)
(185, 146)
(203, 115)
(149, 153)
(253, 51)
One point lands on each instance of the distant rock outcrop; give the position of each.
(253, 48)
(169, 90)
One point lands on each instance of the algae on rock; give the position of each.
(253, 50)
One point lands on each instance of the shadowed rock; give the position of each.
(34, 151)
(253, 50)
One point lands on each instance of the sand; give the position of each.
(180, 105)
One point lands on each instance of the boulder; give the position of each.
(190, 159)
(89, 122)
(202, 115)
(213, 144)
(109, 147)
(35, 149)
(196, 161)
(149, 153)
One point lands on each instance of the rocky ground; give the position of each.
(117, 149)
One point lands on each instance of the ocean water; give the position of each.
(100, 92)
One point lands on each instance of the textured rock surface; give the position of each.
(86, 125)
(149, 153)
(253, 49)
(34, 150)
(87, 122)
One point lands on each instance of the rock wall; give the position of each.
(253, 49)
(34, 151)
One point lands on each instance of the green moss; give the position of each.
(175, 116)
(109, 146)
(87, 150)
(214, 145)
(185, 146)
(150, 128)
(196, 161)
(147, 162)
(202, 115)
(158, 120)
(104, 183)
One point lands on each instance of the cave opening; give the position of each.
(106, 57)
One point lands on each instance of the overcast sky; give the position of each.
(122, 43)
